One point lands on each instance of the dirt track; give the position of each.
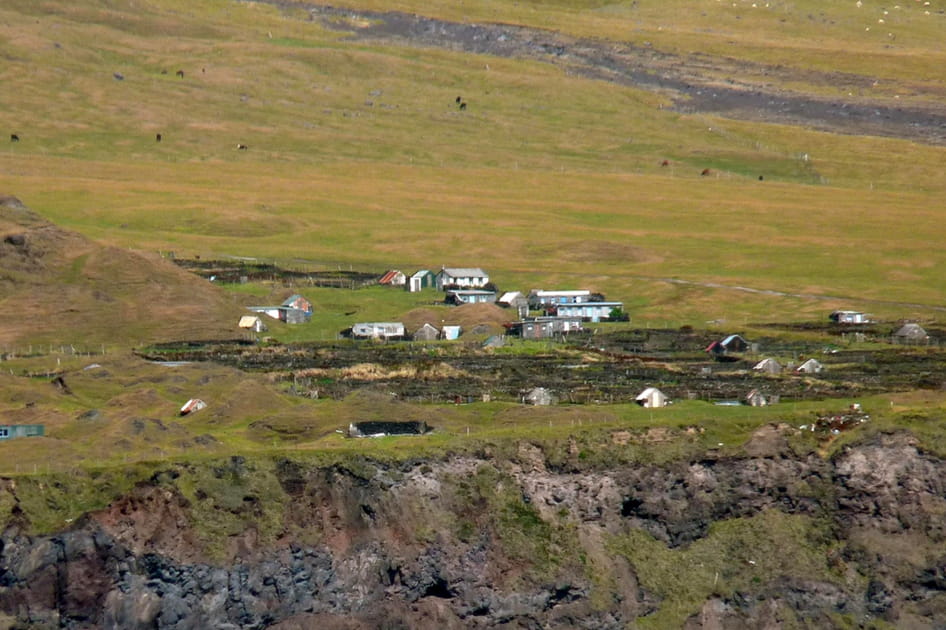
(689, 81)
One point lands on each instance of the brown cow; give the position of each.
(706, 172)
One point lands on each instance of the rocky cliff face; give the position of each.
(769, 539)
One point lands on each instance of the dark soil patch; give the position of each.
(242, 271)
(599, 369)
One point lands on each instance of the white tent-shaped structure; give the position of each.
(769, 366)
(811, 366)
(652, 397)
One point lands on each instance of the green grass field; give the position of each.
(358, 156)
(547, 179)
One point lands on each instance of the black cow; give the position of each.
(459, 99)
(157, 137)
(14, 137)
(462, 106)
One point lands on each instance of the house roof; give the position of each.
(590, 304)
(810, 364)
(911, 330)
(765, 363)
(650, 391)
(292, 298)
(544, 293)
(389, 277)
(728, 340)
(422, 273)
(464, 272)
(248, 321)
(471, 292)
(509, 296)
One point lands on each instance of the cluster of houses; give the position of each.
(555, 313)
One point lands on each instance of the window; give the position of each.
(4, 433)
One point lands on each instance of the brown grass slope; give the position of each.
(57, 286)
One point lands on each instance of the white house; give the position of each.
(849, 317)
(539, 297)
(461, 278)
(589, 311)
(377, 330)
(470, 296)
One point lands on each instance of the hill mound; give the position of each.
(469, 316)
(57, 286)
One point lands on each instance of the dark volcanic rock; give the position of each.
(371, 566)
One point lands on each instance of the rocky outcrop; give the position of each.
(483, 543)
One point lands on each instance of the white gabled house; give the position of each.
(539, 297)
(589, 311)
(461, 278)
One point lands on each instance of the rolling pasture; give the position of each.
(357, 153)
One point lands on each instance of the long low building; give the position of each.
(589, 311)
(541, 297)
(544, 327)
(378, 330)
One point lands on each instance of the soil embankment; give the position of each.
(535, 538)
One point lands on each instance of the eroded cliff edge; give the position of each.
(531, 537)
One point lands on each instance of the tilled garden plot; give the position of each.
(610, 369)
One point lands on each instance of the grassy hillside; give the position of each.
(357, 153)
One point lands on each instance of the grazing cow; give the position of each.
(761, 178)
(242, 147)
(180, 73)
(118, 76)
(462, 106)
(157, 137)
(665, 163)
(14, 137)
(705, 172)
(459, 100)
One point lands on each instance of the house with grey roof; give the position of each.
(461, 278)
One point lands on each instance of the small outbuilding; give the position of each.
(393, 278)
(652, 397)
(427, 332)
(768, 366)
(732, 343)
(538, 396)
(192, 406)
(811, 366)
(515, 300)
(451, 333)
(12, 431)
(755, 398)
(252, 323)
(911, 333)
(423, 279)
